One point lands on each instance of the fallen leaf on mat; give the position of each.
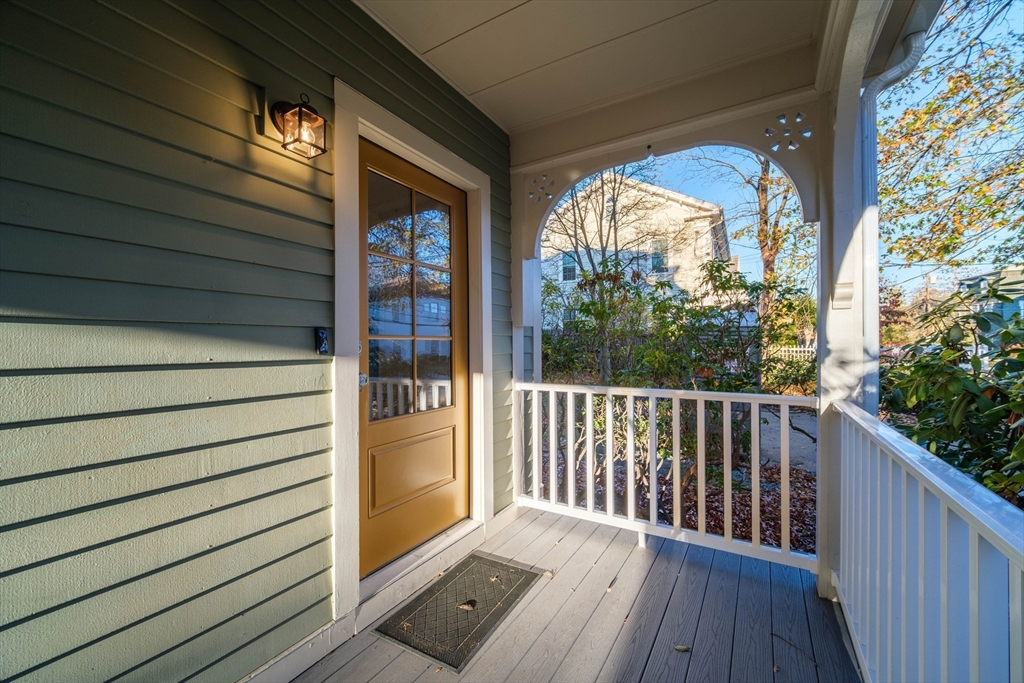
(682, 648)
(775, 668)
(469, 605)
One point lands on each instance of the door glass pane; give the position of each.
(433, 302)
(389, 305)
(434, 374)
(388, 216)
(390, 385)
(433, 232)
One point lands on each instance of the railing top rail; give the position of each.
(1000, 523)
(772, 399)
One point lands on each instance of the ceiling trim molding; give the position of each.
(766, 105)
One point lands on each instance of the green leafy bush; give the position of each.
(962, 388)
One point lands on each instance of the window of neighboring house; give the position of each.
(568, 268)
(568, 315)
(659, 262)
(610, 205)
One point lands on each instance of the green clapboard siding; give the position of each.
(165, 426)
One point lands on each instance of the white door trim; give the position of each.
(356, 116)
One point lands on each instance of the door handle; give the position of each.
(363, 380)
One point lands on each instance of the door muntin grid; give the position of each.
(409, 292)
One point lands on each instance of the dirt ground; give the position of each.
(803, 451)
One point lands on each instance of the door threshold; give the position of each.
(394, 571)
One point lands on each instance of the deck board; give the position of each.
(584, 660)
(834, 662)
(711, 657)
(666, 664)
(791, 637)
(628, 655)
(615, 611)
(752, 644)
(545, 656)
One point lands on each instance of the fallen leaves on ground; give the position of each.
(802, 502)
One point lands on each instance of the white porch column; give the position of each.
(848, 267)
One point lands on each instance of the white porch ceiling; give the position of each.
(530, 62)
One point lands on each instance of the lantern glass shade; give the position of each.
(303, 131)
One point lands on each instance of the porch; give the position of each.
(616, 610)
(929, 583)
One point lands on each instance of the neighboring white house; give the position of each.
(668, 239)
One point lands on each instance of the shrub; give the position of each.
(964, 385)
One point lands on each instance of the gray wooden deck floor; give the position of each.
(615, 612)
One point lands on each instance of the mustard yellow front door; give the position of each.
(414, 441)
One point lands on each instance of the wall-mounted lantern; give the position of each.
(303, 130)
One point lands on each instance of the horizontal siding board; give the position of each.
(42, 208)
(93, 345)
(110, 656)
(102, 64)
(503, 413)
(503, 466)
(502, 327)
(47, 296)
(500, 203)
(502, 499)
(109, 611)
(44, 448)
(503, 383)
(503, 299)
(501, 312)
(114, 609)
(502, 343)
(500, 266)
(502, 432)
(48, 167)
(502, 362)
(247, 639)
(50, 396)
(43, 252)
(501, 282)
(32, 77)
(54, 583)
(500, 224)
(270, 48)
(109, 28)
(57, 537)
(45, 124)
(195, 37)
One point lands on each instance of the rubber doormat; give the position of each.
(453, 616)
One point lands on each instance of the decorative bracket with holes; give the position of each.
(787, 137)
(540, 189)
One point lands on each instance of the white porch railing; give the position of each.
(397, 396)
(931, 573)
(595, 453)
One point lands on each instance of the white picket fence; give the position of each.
(397, 396)
(792, 352)
(931, 575)
(543, 436)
